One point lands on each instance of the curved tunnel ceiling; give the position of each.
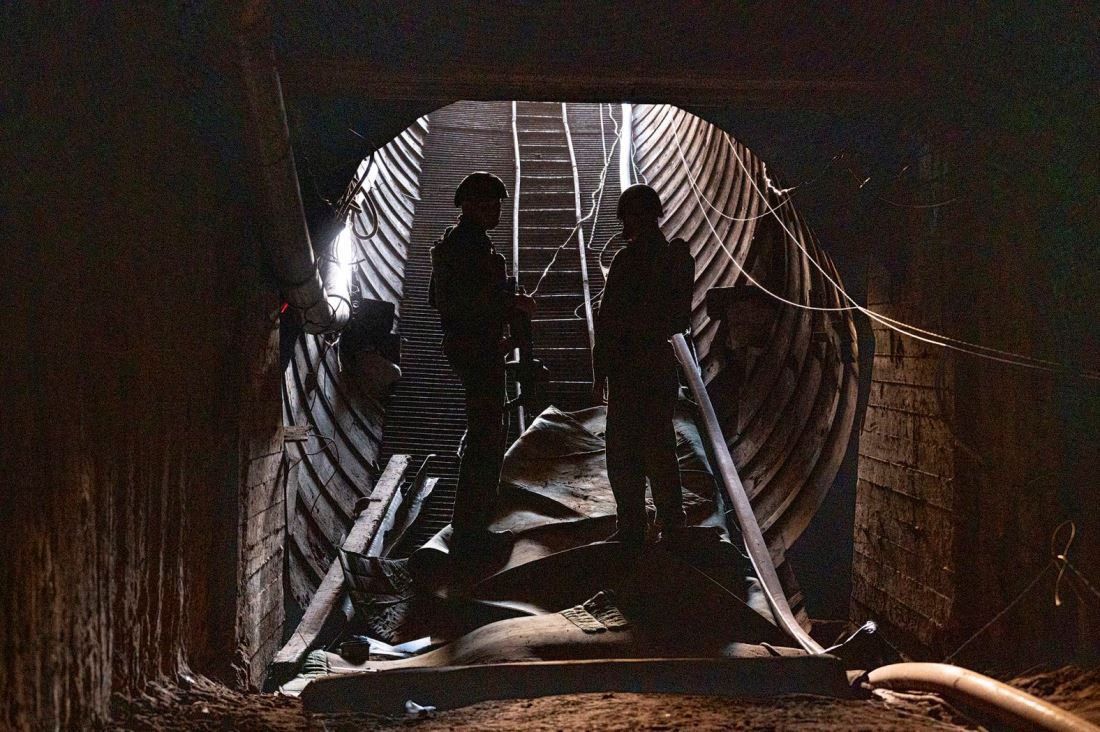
(787, 406)
(789, 411)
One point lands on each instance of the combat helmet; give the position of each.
(642, 199)
(480, 185)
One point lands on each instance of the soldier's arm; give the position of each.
(683, 287)
(463, 298)
(604, 324)
(446, 281)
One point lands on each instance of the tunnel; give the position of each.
(809, 369)
(893, 312)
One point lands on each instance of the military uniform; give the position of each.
(472, 293)
(647, 299)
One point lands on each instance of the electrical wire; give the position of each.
(938, 204)
(695, 185)
(604, 270)
(349, 196)
(901, 327)
(607, 155)
(592, 234)
(371, 210)
(790, 191)
(733, 259)
(974, 349)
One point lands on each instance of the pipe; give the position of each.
(1014, 707)
(731, 483)
(282, 218)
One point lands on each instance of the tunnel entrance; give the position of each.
(147, 514)
(783, 379)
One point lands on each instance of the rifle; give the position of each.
(529, 372)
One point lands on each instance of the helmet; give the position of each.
(640, 198)
(480, 185)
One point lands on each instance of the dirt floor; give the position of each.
(208, 706)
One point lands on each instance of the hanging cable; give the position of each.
(694, 183)
(911, 331)
(943, 341)
(938, 204)
(603, 269)
(349, 196)
(585, 292)
(371, 210)
(791, 190)
(597, 203)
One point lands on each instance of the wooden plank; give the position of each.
(415, 497)
(449, 687)
(919, 399)
(932, 430)
(912, 483)
(319, 616)
(378, 539)
(910, 591)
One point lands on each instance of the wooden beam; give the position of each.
(321, 614)
(305, 77)
(449, 687)
(415, 496)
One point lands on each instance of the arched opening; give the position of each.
(781, 365)
(145, 432)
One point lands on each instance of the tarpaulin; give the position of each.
(554, 493)
(561, 591)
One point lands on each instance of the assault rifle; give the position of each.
(528, 372)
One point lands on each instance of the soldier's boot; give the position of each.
(481, 545)
(670, 524)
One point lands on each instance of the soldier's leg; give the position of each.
(625, 462)
(661, 464)
(479, 469)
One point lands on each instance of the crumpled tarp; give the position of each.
(554, 493)
(561, 586)
(556, 499)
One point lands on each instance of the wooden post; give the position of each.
(321, 617)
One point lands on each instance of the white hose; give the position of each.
(1012, 706)
(726, 472)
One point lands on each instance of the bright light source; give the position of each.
(627, 142)
(344, 255)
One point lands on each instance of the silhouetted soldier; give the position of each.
(647, 299)
(475, 298)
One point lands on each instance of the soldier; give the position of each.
(646, 300)
(475, 298)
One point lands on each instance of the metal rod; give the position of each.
(726, 472)
(515, 251)
(585, 291)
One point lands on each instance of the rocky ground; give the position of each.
(208, 706)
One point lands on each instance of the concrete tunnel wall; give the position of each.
(140, 368)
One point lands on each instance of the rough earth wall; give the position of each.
(904, 565)
(125, 334)
(967, 465)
